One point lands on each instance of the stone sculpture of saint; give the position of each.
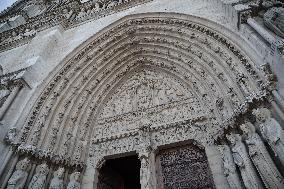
(230, 171)
(74, 181)
(57, 180)
(271, 131)
(11, 135)
(144, 171)
(260, 157)
(242, 160)
(19, 177)
(39, 179)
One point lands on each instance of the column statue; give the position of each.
(260, 157)
(271, 131)
(230, 171)
(38, 180)
(57, 181)
(19, 177)
(74, 181)
(145, 172)
(241, 158)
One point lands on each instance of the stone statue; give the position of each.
(230, 171)
(144, 171)
(11, 135)
(274, 20)
(112, 4)
(241, 158)
(74, 181)
(271, 131)
(19, 177)
(38, 180)
(271, 177)
(57, 181)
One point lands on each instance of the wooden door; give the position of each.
(183, 167)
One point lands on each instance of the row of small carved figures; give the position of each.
(29, 29)
(20, 177)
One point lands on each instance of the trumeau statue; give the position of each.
(271, 131)
(74, 181)
(57, 181)
(145, 173)
(19, 177)
(271, 177)
(39, 179)
(241, 158)
(230, 171)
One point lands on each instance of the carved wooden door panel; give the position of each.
(183, 168)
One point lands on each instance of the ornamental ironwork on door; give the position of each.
(183, 167)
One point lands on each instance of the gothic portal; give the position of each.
(150, 94)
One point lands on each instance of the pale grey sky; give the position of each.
(6, 3)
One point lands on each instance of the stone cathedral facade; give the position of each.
(150, 94)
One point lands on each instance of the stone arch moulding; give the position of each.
(146, 80)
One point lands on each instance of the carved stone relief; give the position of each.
(20, 175)
(184, 89)
(57, 180)
(74, 181)
(39, 179)
(273, 19)
(185, 167)
(241, 158)
(39, 15)
(261, 158)
(271, 131)
(230, 170)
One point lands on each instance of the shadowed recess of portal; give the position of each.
(120, 173)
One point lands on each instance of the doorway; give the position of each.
(120, 173)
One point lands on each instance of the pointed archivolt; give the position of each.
(143, 63)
